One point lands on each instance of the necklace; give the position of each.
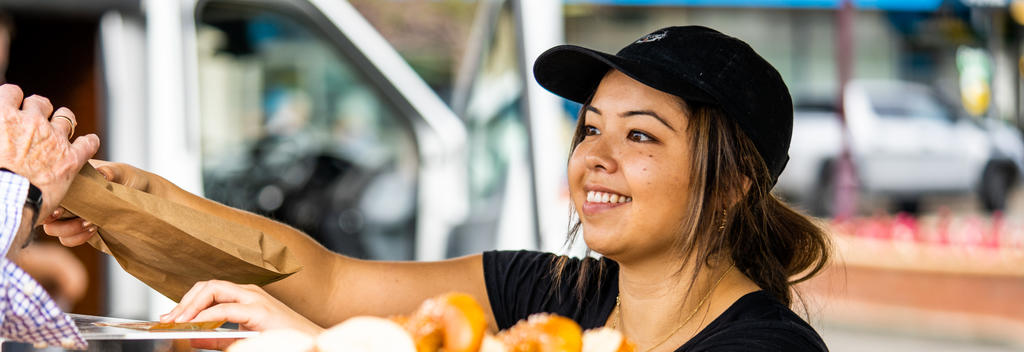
(618, 310)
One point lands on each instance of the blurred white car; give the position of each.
(906, 142)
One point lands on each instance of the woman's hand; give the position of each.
(72, 230)
(248, 305)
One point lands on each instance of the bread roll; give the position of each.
(366, 334)
(285, 340)
(543, 333)
(453, 321)
(606, 340)
(492, 344)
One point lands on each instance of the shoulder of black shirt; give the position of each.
(757, 322)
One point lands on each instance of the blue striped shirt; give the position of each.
(27, 314)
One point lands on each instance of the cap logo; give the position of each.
(651, 38)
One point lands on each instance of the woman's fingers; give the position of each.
(76, 240)
(113, 172)
(110, 172)
(247, 305)
(242, 314)
(124, 174)
(184, 302)
(55, 215)
(68, 227)
(213, 292)
(257, 311)
(71, 232)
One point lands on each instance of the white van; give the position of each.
(301, 110)
(905, 143)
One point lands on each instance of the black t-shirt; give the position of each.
(519, 284)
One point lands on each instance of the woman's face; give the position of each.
(629, 176)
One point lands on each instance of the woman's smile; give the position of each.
(600, 199)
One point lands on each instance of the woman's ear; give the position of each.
(744, 187)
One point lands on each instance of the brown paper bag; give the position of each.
(170, 246)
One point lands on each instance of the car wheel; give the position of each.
(995, 184)
(910, 206)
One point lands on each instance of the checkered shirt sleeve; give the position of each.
(13, 192)
(27, 312)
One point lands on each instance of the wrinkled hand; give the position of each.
(72, 230)
(38, 149)
(248, 305)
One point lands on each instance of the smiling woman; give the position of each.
(617, 158)
(630, 148)
(682, 136)
(692, 128)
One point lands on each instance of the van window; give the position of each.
(907, 102)
(293, 131)
(499, 170)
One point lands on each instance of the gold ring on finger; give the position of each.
(71, 132)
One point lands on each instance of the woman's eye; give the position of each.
(638, 136)
(591, 130)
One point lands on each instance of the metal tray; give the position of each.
(92, 332)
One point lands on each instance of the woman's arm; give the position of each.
(330, 287)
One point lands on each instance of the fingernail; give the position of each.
(92, 229)
(56, 213)
(106, 173)
(85, 223)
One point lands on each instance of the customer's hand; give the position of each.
(248, 305)
(72, 230)
(56, 269)
(37, 148)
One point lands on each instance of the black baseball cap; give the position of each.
(698, 64)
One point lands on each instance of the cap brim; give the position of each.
(574, 72)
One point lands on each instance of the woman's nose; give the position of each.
(599, 157)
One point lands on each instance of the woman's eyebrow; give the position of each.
(648, 113)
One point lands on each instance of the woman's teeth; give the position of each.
(602, 197)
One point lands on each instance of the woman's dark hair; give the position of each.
(772, 244)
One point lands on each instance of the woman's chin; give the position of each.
(604, 243)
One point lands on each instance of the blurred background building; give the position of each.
(413, 129)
